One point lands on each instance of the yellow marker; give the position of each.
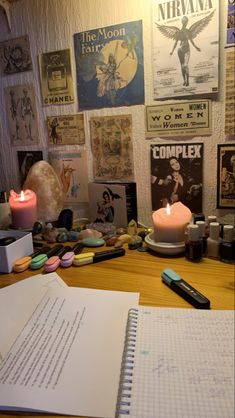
(82, 259)
(22, 264)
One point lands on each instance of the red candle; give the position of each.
(170, 223)
(23, 209)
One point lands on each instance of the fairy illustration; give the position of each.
(109, 73)
(185, 36)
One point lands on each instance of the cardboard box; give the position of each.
(20, 248)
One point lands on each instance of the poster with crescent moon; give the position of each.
(109, 65)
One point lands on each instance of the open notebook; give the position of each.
(74, 352)
(178, 363)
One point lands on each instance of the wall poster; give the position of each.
(66, 130)
(26, 159)
(231, 23)
(71, 168)
(15, 56)
(56, 77)
(110, 69)
(22, 115)
(179, 119)
(226, 176)
(185, 47)
(176, 175)
(112, 149)
(230, 93)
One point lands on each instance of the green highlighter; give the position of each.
(39, 261)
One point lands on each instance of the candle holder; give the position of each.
(169, 229)
(164, 248)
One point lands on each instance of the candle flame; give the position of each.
(22, 196)
(168, 209)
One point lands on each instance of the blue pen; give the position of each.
(182, 288)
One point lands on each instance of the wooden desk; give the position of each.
(141, 272)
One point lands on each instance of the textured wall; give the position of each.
(50, 25)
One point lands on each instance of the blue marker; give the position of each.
(182, 288)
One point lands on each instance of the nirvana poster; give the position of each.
(185, 47)
(176, 175)
(109, 64)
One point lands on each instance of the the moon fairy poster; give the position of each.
(109, 65)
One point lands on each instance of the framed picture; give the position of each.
(226, 176)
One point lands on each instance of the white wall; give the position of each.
(50, 25)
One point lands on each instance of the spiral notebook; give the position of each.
(177, 363)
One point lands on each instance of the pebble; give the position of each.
(93, 242)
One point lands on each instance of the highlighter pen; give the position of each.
(23, 263)
(53, 262)
(38, 261)
(182, 288)
(67, 258)
(90, 258)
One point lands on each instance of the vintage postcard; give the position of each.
(110, 69)
(230, 93)
(112, 149)
(66, 130)
(71, 168)
(185, 48)
(22, 114)
(56, 77)
(226, 176)
(176, 175)
(26, 159)
(15, 56)
(179, 119)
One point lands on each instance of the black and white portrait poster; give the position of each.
(185, 47)
(15, 56)
(22, 114)
(226, 176)
(26, 160)
(176, 175)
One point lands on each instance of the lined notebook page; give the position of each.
(184, 364)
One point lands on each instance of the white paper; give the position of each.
(67, 358)
(17, 303)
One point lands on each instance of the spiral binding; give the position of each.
(127, 365)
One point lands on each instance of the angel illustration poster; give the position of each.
(109, 63)
(185, 47)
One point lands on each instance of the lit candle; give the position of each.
(170, 223)
(23, 209)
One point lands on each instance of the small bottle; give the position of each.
(210, 218)
(198, 217)
(202, 235)
(227, 245)
(213, 240)
(193, 244)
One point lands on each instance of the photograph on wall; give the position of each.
(56, 77)
(110, 68)
(226, 176)
(185, 48)
(26, 160)
(107, 203)
(112, 149)
(179, 119)
(21, 114)
(231, 23)
(71, 168)
(15, 56)
(176, 175)
(230, 93)
(66, 130)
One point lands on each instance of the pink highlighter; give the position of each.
(53, 262)
(67, 258)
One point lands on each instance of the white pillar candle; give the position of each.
(23, 209)
(170, 223)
